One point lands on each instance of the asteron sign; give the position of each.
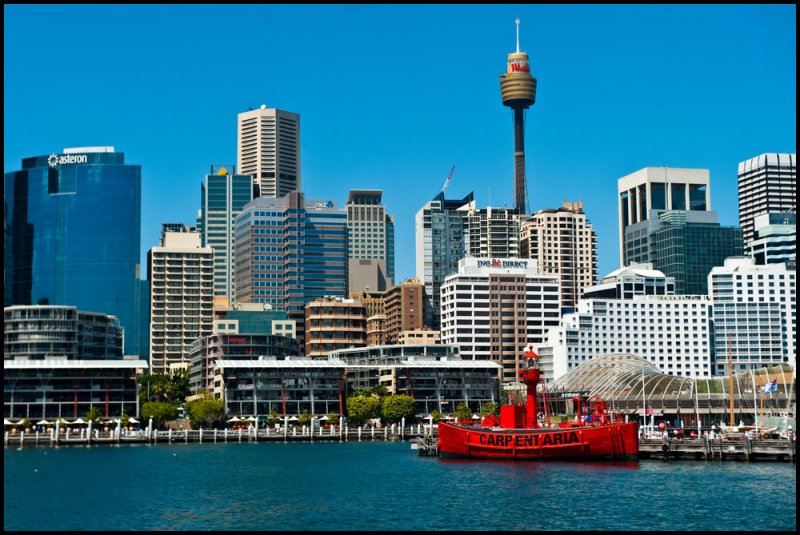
(54, 160)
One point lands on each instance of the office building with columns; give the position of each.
(659, 188)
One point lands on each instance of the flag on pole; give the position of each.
(771, 386)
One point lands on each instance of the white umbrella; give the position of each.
(294, 419)
(249, 419)
(325, 418)
(476, 417)
(6, 421)
(133, 421)
(42, 422)
(235, 419)
(79, 421)
(448, 417)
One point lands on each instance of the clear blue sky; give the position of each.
(390, 97)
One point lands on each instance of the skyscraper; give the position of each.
(563, 243)
(75, 221)
(290, 251)
(492, 232)
(222, 198)
(659, 188)
(767, 184)
(684, 245)
(370, 237)
(268, 149)
(181, 275)
(440, 245)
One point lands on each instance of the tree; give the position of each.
(333, 418)
(394, 408)
(488, 408)
(93, 414)
(437, 415)
(164, 387)
(205, 411)
(362, 408)
(304, 419)
(159, 411)
(462, 411)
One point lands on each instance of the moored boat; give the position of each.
(523, 432)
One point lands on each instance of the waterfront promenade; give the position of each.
(293, 434)
(736, 447)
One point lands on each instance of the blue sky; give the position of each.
(390, 97)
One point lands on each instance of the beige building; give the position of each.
(419, 337)
(376, 330)
(370, 242)
(334, 323)
(563, 243)
(403, 307)
(268, 149)
(181, 274)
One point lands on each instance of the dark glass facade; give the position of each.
(684, 245)
(223, 195)
(74, 228)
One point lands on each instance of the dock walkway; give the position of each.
(735, 447)
(391, 432)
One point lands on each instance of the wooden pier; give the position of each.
(738, 447)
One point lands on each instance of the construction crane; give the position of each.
(447, 180)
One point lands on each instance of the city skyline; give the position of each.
(390, 97)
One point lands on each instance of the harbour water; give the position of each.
(378, 486)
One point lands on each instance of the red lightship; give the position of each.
(524, 433)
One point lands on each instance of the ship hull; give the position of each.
(615, 442)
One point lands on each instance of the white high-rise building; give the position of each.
(659, 188)
(268, 149)
(671, 331)
(563, 243)
(493, 309)
(767, 185)
(181, 274)
(755, 314)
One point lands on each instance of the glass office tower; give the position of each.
(74, 223)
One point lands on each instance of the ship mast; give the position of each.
(730, 379)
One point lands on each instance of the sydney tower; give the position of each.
(518, 89)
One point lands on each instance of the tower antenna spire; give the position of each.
(517, 23)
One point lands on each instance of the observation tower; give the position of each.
(518, 89)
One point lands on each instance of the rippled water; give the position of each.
(378, 486)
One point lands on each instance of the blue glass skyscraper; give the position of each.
(73, 237)
(290, 251)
